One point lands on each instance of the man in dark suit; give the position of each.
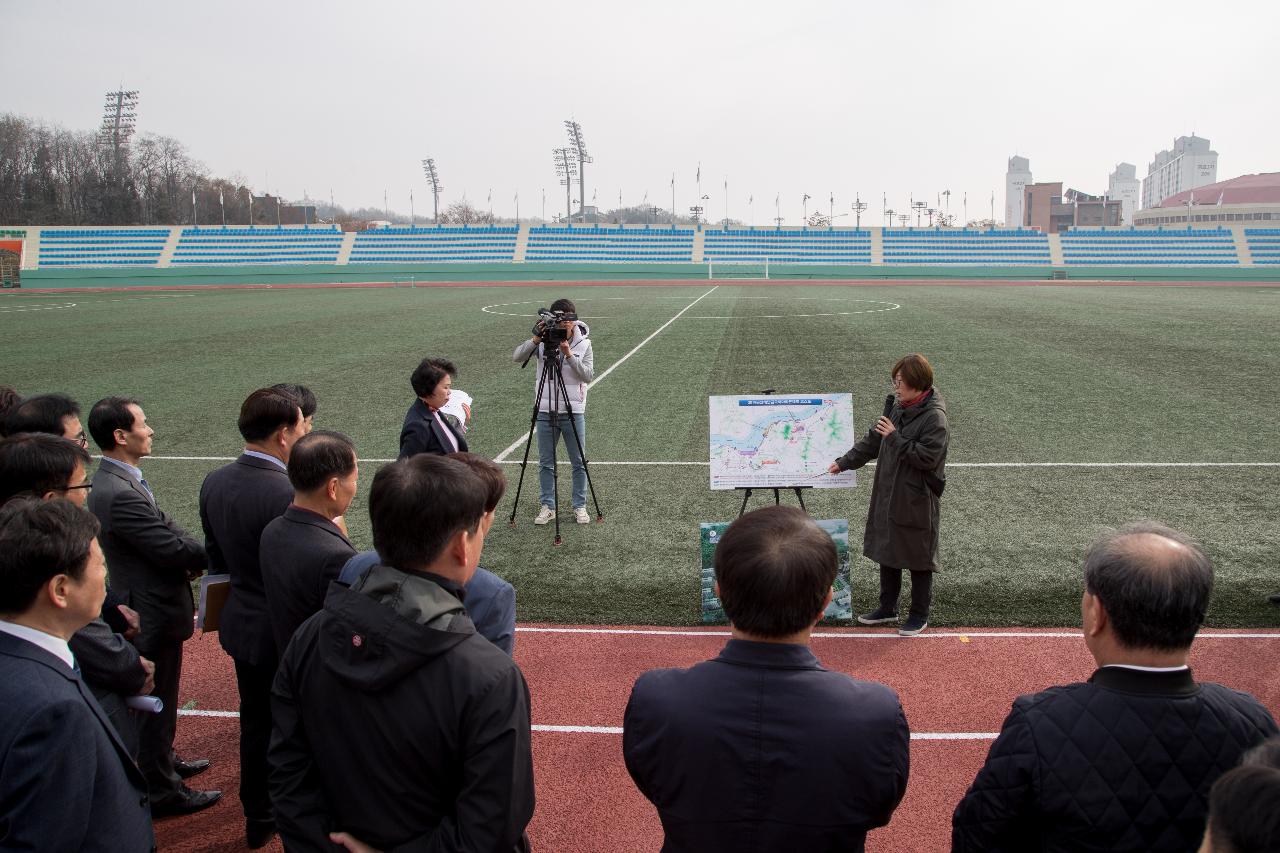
(67, 781)
(303, 550)
(152, 562)
(425, 430)
(237, 502)
(1125, 761)
(761, 748)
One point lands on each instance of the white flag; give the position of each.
(220, 201)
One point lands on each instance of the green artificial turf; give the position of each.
(1031, 374)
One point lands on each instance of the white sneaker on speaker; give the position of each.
(544, 515)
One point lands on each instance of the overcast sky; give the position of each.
(784, 98)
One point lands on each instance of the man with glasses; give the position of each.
(49, 467)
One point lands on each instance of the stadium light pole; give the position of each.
(918, 207)
(580, 149)
(412, 213)
(831, 213)
(119, 119)
(433, 180)
(888, 212)
(805, 202)
(904, 219)
(858, 206)
(567, 169)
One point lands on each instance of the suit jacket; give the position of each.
(1121, 763)
(422, 433)
(237, 502)
(490, 601)
(301, 553)
(110, 666)
(67, 782)
(151, 559)
(763, 749)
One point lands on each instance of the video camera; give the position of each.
(549, 329)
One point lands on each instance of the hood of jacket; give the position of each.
(389, 624)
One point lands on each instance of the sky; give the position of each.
(876, 101)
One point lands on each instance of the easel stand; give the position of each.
(777, 496)
(559, 395)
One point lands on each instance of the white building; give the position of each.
(1123, 185)
(1189, 164)
(1015, 183)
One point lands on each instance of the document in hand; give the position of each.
(214, 590)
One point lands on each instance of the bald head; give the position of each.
(1153, 582)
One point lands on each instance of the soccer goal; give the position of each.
(754, 270)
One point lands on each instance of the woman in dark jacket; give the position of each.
(910, 444)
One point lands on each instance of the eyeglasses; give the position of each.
(85, 485)
(81, 439)
(896, 381)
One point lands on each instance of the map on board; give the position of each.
(776, 441)
(841, 606)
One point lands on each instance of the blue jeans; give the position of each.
(547, 437)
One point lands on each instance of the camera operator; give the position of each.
(561, 325)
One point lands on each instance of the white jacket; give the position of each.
(578, 370)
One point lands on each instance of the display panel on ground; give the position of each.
(769, 442)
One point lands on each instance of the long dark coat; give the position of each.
(902, 522)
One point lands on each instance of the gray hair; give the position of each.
(1155, 597)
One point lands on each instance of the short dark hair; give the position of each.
(1266, 753)
(265, 411)
(318, 456)
(564, 305)
(32, 463)
(915, 370)
(8, 399)
(306, 399)
(418, 504)
(108, 415)
(1244, 810)
(494, 479)
(429, 373)
(38, 540)
(43, 413)
(774, 566)
(1156, 598)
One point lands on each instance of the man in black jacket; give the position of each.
(1125, 761)
(761, 748)
(304, 548)
(237, 502)
(152, 562)
(395, 723)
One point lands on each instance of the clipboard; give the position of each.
(214, 590)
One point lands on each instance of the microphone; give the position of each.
(888, 404)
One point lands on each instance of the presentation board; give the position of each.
(780, 441)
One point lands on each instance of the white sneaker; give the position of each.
(544, 515)
(580, 515)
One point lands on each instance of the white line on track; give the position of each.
(521, 440)
(862, 634)
(671, 464)
(617, 730)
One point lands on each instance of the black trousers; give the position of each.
(891, 588)
(156, 732)
(254, 684)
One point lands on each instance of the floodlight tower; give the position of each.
(119, 117)
(580, 150)
(566, 168)
(433, 180)
(858, 206)
(918, 207)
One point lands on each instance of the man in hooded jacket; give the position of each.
(395, 723)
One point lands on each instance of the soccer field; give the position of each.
(1071, 408)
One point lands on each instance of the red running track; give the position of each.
(952, 682)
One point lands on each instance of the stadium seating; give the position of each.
(217, 246)
(592, 243)
(101, 247)
(805, 246)
(964, 246)
(1127, 246)
(437, 243)
(1264, 244)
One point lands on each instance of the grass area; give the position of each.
(1034, 374)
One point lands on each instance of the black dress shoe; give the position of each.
(258, 833)
(187, 769)
(186, 802)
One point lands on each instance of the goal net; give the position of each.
(752, 270)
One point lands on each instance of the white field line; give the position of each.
(521, 440)
(671, 464)
(617, 730)
(862, 634)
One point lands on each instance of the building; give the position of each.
(1249, 199)
(1048, 209)
(1015, 183)
(1091, 211)
(1186, 166)
(1123, 185)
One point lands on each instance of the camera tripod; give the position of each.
(553, 378)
